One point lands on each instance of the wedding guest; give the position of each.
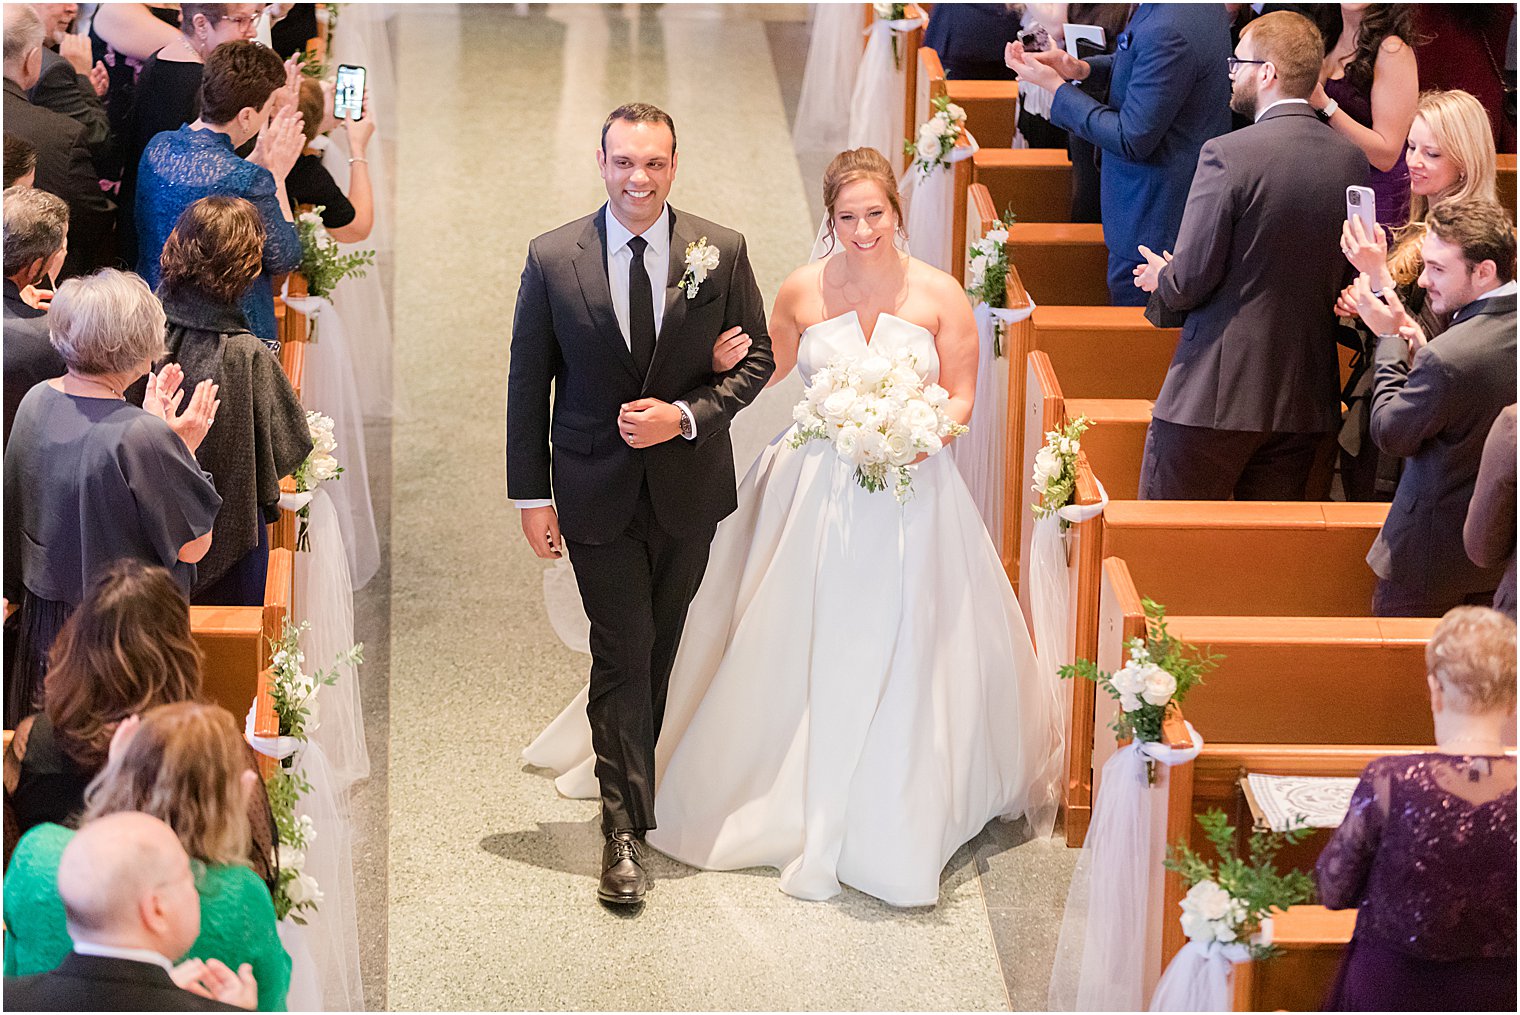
(127, 649)
(1167, 94)
(1250, 397)
(72, 82)
(167, 94)
(289, 35)
(1435, 407)
(122, 36)
(238, 100)
(1464, 46)
(20, 162)
(1450, 155)
(209, 262)
(64, 164)
(1369, 87)
(1426, 853)
(90, 478)
(1086, 178)
(1489, 532)
(187, 765)
(969, 39)
(36, 240)
(348, 217)
(128, 892)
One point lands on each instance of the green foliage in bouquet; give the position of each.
(321, 261)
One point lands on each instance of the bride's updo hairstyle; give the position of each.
(853, 166)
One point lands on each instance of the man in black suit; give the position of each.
(1253, 388)
(1435, 408)
(69, 83)
(130, 900)
(618, 312)
(64, 165)
(36, 239)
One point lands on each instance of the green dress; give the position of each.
(237, 917)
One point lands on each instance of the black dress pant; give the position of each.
(1200, 463)
(636, 590)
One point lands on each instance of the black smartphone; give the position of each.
(348, 99)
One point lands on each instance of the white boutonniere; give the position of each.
(700, 259)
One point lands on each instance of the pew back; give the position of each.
(1034, 182)
(1061, 263)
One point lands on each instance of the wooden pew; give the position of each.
(1505, 168)
(1061, 263)
(235, 639)
(1035, 182)
(991, 106)
(1313, 940)
(1115, 444)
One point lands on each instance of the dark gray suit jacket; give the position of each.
(29, 354)
(565, 336)
(63, 90)
(1257, 269)
(1436, 414)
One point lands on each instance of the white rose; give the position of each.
(1209, 900)
(1159, 685)
(873, 446)
(979, 265)
(873, 368)
(956, 113)
(1197, 928)
(323, 469)
(298, 888)
(1129, 703)
(998, 236)
(936, 395)
(838, 404)
(1128, 679)
(847, 444)
(920, 415)
(291, 858)
(1047, 466)
(899, 448)
(903, 375)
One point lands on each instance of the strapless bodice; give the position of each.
(844, 336)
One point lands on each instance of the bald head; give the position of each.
(23, 44)
(125, 880)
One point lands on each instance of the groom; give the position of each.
(618, 312)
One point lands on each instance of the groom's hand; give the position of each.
(649, 421)
(541, 526)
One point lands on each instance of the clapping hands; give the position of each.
(280, 143)
(1384, 313)
(163, 396)
(1049, 69)
(212, 978)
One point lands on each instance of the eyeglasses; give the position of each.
(1234, 62)
(243, 21)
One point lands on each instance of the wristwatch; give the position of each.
(687, 430)
(1329, 110)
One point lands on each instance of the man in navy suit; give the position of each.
(1168, 93)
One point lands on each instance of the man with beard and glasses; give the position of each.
(1253, 390)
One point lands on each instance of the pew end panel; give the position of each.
(1085, 544)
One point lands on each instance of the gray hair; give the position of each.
(36, 225)
(1471, 654)
(106, 323)
(23, 32)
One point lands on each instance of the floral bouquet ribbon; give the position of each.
(1198, 978)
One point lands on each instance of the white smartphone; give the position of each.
(1361, 203)
(348, 99)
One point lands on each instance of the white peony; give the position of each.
(1209, 900)
(899, 448)
(873, 445)
(847, 444)
(873, 368)
(1159, 685)
(919, 415)
(837, 405)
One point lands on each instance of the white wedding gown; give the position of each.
(855, 694)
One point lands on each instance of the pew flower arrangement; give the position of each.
(936, 136)
(892, 12)
(1152, 683)
(987, 273)
(1227, 901)
(323, 264)
(295, 704)
(319, 467)
(879, 415)
(1055, 468)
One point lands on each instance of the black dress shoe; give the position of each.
(624, 880)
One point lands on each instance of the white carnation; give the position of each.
(1209, 900)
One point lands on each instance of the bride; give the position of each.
(855, 695)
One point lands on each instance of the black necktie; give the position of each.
(640, 307)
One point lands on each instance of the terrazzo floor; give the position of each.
(476, 880)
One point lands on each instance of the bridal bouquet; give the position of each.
(319, 467)
(1228, 901)
(936, 135)
(294, 694)
(879, 414)
(1055, 468)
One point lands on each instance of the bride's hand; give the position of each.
(732, 346)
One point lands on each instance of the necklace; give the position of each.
(115, 392)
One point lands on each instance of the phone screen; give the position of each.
(348, 100)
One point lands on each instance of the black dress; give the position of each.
(88, 481)
(309, 183)
(51, 784)
(121, 71)
(167, 96)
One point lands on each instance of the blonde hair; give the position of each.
(1461, 128)
(106, 323)
(185, 766)
(853, 166)
(1471, 655)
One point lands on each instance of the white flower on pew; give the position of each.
(937, 136)
(1055, 469)
(319, 467)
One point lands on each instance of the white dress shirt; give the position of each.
(1279, 102)
(1507, 289)
(144, 955)
(657, 264)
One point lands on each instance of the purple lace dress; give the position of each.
(1390, 187)
(1427, 853)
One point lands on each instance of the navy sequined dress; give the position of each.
(178, 168)
(1427, 856)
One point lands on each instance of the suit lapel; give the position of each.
(591, 272)
(675, 298)
(1492, 305)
